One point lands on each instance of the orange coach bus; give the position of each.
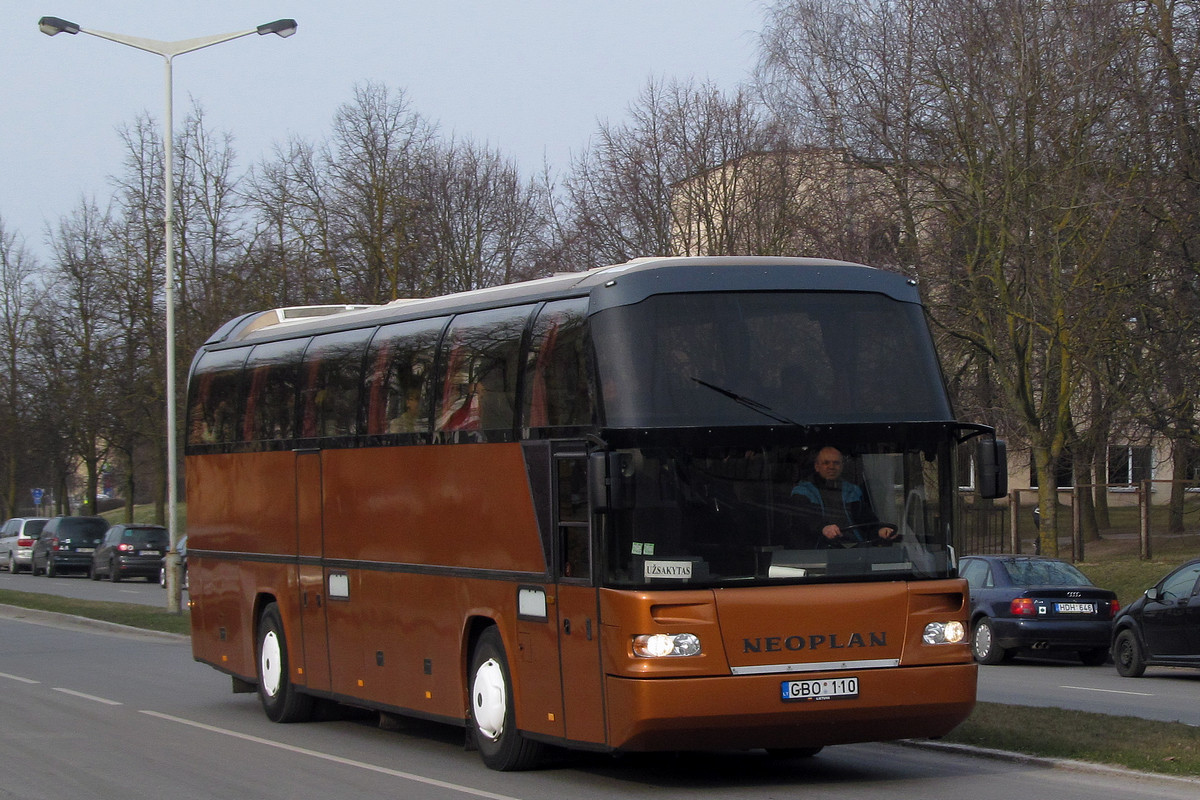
(571, 511)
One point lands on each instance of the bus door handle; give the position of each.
(317, 599)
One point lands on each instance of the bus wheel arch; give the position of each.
(281, 700)
(491, 715)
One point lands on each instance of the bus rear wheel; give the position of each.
(493, 720)
(281, 700)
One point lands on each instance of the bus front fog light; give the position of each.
(951, 632)
(665, 645)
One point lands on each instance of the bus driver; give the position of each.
(836, 511)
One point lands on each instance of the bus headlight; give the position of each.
(944, 632)
(665, 645)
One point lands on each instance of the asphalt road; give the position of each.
(117, 717)
(1164, 693)
(79, 587)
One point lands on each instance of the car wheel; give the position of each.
(1096, 657)
(1128, 656)
(50, 572)
(281, 700)
(983, 643)
(92, 572)
(493, 719)
(12, 564)
(113, 574)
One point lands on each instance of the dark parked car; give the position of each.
(1035, 603)
(67, 543)
(16, 541)
(130, 550)
(181, 548)
(1162, 627)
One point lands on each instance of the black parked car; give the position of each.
(67, 543)
(130, 550)
(1035, 603)
(1162, 627)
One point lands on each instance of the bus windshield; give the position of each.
(749, 358)
(732, 515)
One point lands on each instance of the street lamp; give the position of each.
(168, 50)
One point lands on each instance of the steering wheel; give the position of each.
(858, 541)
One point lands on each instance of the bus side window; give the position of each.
(270, 403)
(399, 376)
(479, 371)
(212, 410)
(558, 386)
(332, 374)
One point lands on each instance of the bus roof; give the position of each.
(621, 284)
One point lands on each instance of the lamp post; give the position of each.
(168, 50)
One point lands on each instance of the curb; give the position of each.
(1065, 764)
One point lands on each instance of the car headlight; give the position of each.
(666, 645)
(951, 632)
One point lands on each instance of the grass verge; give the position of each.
(137, 616)
(1169, 748)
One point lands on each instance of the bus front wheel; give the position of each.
(492, 716)
(281, 701)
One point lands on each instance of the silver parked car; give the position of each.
(16, 542)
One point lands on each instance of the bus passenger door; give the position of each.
(310, 541)
(578, 603)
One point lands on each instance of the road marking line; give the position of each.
(1108, 691)
(17, 678)
(93, 697)
(335, 759)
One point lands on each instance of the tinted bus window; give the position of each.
(479, 370)
(399, 376)
(213, 405)
(272, 373)
(559, 389)
(331, 375)
(745, 358)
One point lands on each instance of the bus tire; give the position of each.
(281, 700)
(493, 719)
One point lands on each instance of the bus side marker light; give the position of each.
(951, 632)
(360, 682)
(665, 645)
(428, 695)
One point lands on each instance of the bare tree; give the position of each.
(19, 297)
(78, 337)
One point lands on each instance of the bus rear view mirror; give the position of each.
(609, 481)
(991, 463)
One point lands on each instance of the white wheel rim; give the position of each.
(983, 640)
(488, 698)
(271, 663)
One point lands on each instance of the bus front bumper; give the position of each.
(748, 712)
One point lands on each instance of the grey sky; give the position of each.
(529, 77)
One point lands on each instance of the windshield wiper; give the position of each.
(742, 400)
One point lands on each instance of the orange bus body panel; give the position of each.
(406, 526)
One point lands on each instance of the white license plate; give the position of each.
(149, 553)
(821, 689)
(1075, 608)
(85, 550)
